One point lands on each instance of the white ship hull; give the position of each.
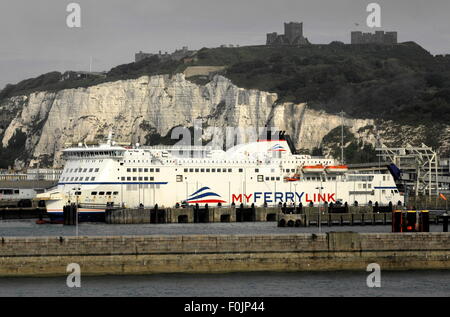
(253, 173)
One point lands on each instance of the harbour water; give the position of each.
(24, 228)
(300, 284)
(393, 283)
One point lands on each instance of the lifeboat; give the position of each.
(313, 168)
(294, 178)
(337, 168)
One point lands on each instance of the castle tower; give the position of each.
(356, 37)
(292, 31)
(271, 38)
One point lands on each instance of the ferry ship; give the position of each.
(264, 172)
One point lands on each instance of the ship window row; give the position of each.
(136, 161)
(260, 178)
(145, 170)
(272, 178)
(81, 170)
(77, 179)
(94, 153)
(309, 178)
(104, 193)
(210, 170)
(392, 191)
(140, 178)
(360, 186)
(309, 162)
(9, 191)
(360, 178)
(205, 161)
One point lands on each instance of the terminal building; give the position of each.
(422, 172)
(31, 174)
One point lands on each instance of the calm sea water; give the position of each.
(404, 283)
(18, 228)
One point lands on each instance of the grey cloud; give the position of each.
(34, 37)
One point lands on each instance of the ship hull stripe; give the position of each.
(203, 195)
(209, 201)
(200, 190)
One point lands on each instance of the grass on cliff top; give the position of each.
(52, 81)
(400, 82)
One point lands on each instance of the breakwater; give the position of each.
(191, 215)
(229, 214)
(331, 219)
(284, 216)
(39, 256)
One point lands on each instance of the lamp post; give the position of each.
(320, 212)
(342, 136)
(76, 210)
(295, 190)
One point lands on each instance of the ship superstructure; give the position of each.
(261, 172)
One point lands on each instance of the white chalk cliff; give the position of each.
(138, 107)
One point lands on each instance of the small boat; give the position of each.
(313, 168)
(336, 168)
(294, 178)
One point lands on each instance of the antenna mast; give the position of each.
(342, 137)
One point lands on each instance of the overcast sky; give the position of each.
(34, 38)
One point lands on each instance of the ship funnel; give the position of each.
(110, 136)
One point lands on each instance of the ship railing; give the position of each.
(181, 147)
(188, 147)
(99, 206)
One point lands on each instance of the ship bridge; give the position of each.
(102, 151)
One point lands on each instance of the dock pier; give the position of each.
(333, 219)
(283, 215)
(191, 215)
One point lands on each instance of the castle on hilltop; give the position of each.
(177, 55)
(293, 35)
(379, 37)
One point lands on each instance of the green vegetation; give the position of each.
(52, 81)
(15, 149)
(354, 151)
(401, 82)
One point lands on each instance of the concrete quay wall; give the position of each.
(41, 256)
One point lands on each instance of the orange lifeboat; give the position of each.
(294, 178)
(313, 168)
(337, 168)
